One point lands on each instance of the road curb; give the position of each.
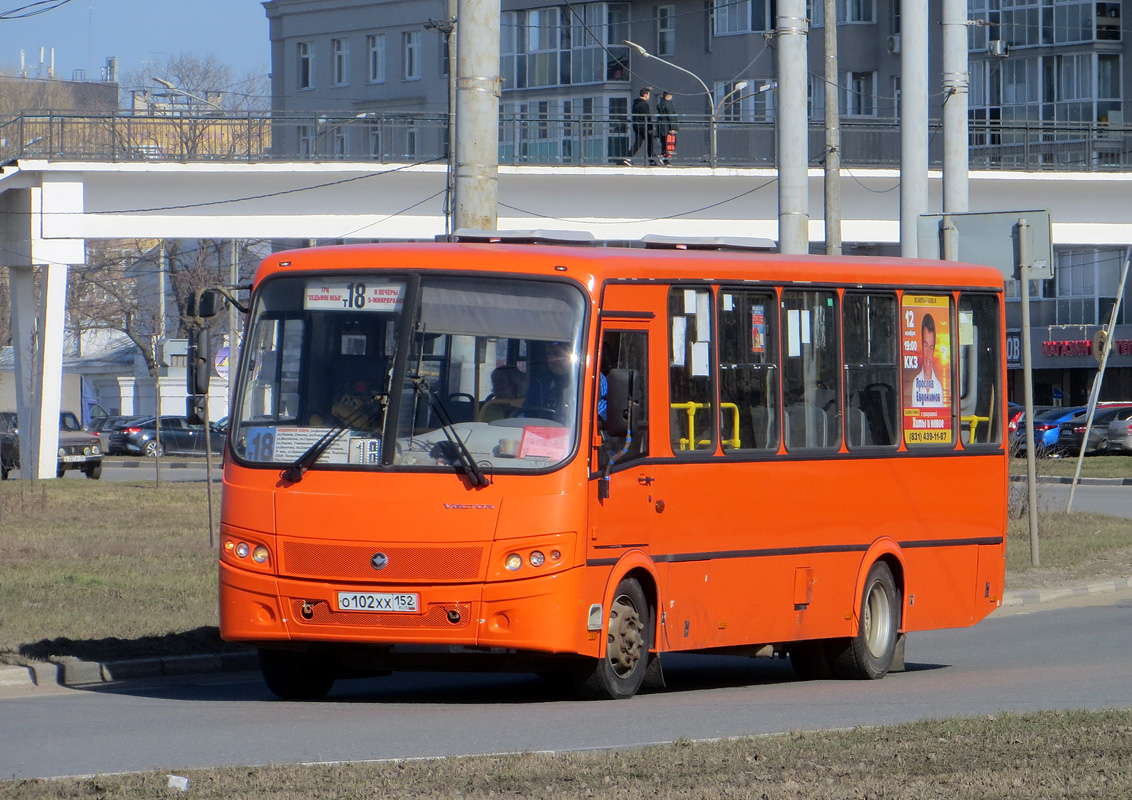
(75, 672)
(1062, 479)
(1036, 596)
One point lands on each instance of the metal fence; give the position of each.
(538, 139)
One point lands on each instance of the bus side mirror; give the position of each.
(619, 400)
(205, 304)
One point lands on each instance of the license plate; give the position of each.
(70, 459)
(379, 601)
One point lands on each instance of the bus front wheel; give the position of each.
(869, 654)
(619, 674)
(294, 675)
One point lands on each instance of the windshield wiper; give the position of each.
(463, 454)
(365, 413)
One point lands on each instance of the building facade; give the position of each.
(1048, 87)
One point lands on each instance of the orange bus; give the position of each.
(572, 460)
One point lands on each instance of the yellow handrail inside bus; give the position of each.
(974, 420)
(691, 408)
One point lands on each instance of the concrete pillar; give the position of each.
(793, 130)
(477, 118)
(913, 122)
(38, 235)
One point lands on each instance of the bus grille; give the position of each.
(435, 617)
(352, 562)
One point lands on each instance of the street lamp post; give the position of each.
(189, 95)
(707, 91)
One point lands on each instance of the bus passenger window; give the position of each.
(871, 370)
(980, 387)
(810, 370)
(691, 406)
(748, 370)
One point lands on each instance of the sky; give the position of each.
(85, 33)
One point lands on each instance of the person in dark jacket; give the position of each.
(643, 130)
(666, 127)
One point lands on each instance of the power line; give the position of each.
(33, 9)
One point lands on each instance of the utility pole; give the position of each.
(913, 123)
(956, 80)
(477, 120)
(793, 131)
(832, 135)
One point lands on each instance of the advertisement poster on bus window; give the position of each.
(926, 347)
(758, 329)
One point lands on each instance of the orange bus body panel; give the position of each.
(764, 550)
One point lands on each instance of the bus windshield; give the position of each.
(374, 371)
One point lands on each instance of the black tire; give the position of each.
(295, 675)
(868, 655)
(618, 675)
(153, 450)
(94, 471)
(811, 660)
(5, 470)
(60, 472)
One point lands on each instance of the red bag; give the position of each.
(670, 144)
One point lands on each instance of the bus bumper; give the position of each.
(547, 614)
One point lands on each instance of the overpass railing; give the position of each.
(532, 139)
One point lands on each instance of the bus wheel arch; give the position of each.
(869, 653)
(630, 634)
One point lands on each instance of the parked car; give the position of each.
(103, 426)
(140, 437)
(1073, 432)
(1119, 438)
(78, 448)
(1046, 429)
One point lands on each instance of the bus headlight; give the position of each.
(537, 558)
(513, 562)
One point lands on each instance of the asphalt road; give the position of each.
(1018, 660)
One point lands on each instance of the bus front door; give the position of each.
(621, 486)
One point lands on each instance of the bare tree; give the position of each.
(200, 83)
(119, 288)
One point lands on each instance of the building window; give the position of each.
(306, 141)
(860, 88)
(375, 47)
(731, 17)
(1087, 281)
(815, 10)
(411, 55)
(376, 142)
(665, 30)
(856, 11)
(341, 50)
(306, 65)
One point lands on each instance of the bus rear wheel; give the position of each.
(619, 674)
(295, 675)
(869, 654)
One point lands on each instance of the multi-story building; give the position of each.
(1048, 87)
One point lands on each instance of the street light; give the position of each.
(189, 95)
(739, 86)
(707, 91)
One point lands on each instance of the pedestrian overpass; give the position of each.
(49, 208)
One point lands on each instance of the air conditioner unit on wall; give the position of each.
(894, 43)
(997, 47)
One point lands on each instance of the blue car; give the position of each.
(1046, 429)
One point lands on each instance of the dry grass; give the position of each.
(1011, 757)
(105, 570)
